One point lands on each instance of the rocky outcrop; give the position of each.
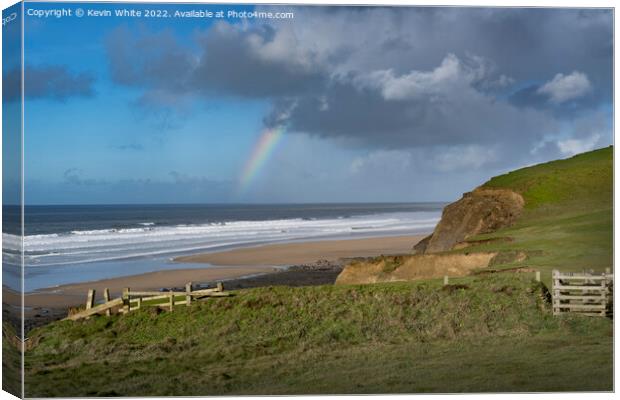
(482, 211)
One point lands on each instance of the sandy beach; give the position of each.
(233, 265)
(306, 252)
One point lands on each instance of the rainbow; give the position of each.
(263, 149)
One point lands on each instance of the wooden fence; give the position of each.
(135, 300)
(584, 293)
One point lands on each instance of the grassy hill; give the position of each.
(568, 218)
(582, 182)
(492, 332)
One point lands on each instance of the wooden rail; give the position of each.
(131, 301)
(97, 309)
(584, 293)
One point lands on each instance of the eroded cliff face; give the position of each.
(409, 268)
(481, 211)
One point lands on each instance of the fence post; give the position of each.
(445, 279)
(139, 303)
(188, 294)
(604, 294)
(90, 299)
(106, 298)
(537, 276)
(555, 283)
(590, 272)
(126, 300)
(220, 287)
(171, 300)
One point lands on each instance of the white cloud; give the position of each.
(570, 147)
(283, 47)
(452, 74)
(566, 87)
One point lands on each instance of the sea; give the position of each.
(69, 244)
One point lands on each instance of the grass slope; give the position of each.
(11, 361)
(491, 334)
(582, 182)
(568, 218)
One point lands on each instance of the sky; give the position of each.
(337, 104)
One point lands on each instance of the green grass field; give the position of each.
(494, 333)
(484, 333)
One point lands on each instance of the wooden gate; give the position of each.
(582, 292)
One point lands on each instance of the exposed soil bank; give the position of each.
(481, 211)
(388, 269)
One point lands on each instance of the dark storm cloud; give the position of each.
(229, 62)
(454, 114)
(530, 44)
(153, 60)
(47, 82)
(239, 63)
(157, 63)
(396, 77)
(529, 96)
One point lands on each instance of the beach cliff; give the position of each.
(481, 211)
